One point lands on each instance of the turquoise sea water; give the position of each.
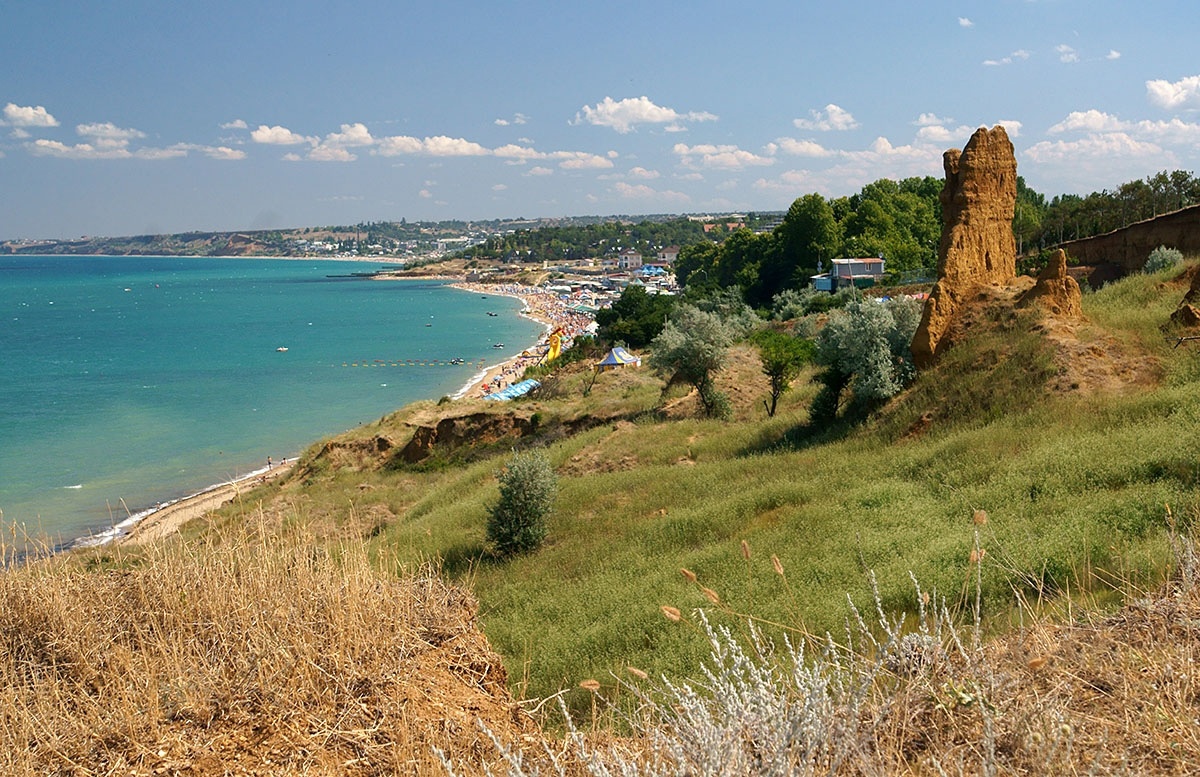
(126, 382)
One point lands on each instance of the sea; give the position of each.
(130, 382)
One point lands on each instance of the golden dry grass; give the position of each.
(256, 657)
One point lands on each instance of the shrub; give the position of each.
(869, 343)
(691, 348)
(517, 523)
(1162, 258)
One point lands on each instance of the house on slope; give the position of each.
(860, 273)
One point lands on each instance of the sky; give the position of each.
(124, 117)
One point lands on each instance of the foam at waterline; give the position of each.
(118, 530)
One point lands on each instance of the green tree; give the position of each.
(635, 318)
(691, 348)
(517, 523)
(782, 356)
(808, 233)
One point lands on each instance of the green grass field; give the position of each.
(1076, 486)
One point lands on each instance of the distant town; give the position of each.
(388, 241)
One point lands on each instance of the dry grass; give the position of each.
(258, 657)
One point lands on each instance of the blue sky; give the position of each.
(124, 117)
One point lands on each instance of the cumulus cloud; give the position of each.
(1066, 53)
(1019, 54)
(643, 174)
(644, 192)
(1088, 121)
(1172, 95)
(350, 135)
(581, 160)
(625, 115)
(832, 118)
(518, 155)
(108, 134)
(519, 118)
(499, 187)
(539, 170)
(224, 152)
(1112, 54)
(793, 147)
(330, 154)
(235, 124)
(279, 136)
(440, 145)
(719, 157)
(965, 22)
(1096, 148)
(28, 116)
(397, 145)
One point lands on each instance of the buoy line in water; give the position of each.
(413, 363)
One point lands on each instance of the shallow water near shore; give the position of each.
(130, 381)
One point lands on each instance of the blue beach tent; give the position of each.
(515, 390)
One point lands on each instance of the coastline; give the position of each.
(162, 520)
(166, 519)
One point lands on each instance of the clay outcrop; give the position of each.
(1056, 292)
(1188, 312)
(977, 247)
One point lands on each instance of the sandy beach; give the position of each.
(168, 519)
(539, 305)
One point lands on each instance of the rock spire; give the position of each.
(977, 245)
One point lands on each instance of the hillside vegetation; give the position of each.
(1034, 471)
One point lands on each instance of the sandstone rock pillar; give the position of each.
(977, 245)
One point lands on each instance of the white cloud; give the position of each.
(1088, 121)
(440, 145)
(540, 171)
(43, 147)
(224, 152)
(1184, 93)
(832, 118)
(108, 134)
(624, 115)
(235, 124)
(519, 118)
(1095, 147)
(519, 154)
(19, 134)
(499, 187)
(807, 148)
(425, 194)
(350, 135)
(719, 157)
(1019, 54)
(1112, 54)
(279, 136)
(28, 116)
(330, 154)
(1066, 53)
(580, 160)
(965, 22)
(397, 145)
(643, 174)
(931, 119)
(644, 192)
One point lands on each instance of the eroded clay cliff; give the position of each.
(977, 247)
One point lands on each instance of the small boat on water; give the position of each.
(490, 313)
(282, 349)
(498, 345)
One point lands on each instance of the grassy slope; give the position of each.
(1075, 488)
